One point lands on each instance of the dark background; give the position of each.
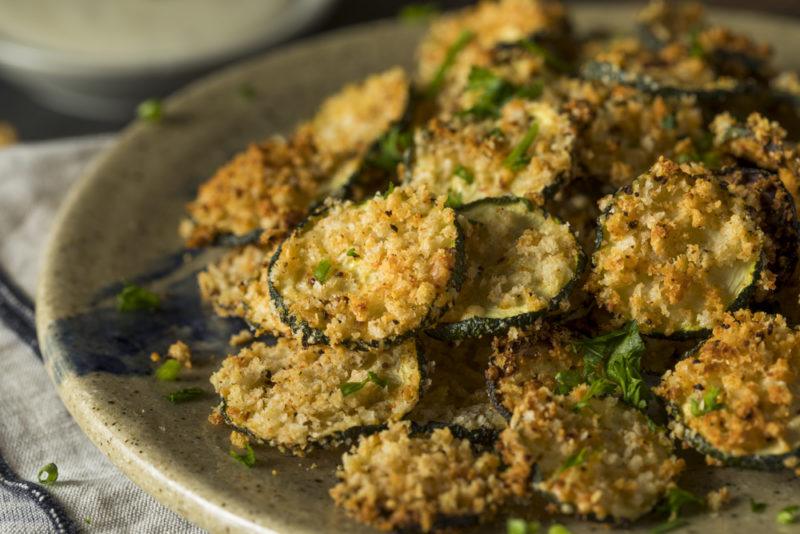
(34, 122)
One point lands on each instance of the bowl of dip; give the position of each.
(99, 59)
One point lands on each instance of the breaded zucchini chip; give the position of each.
(369, 274)
(291, 396)
(675, 250)
(622, 131)
(774, 210)
(604, 459)
(268, 188)
(521, 263)
(737, 397)
(229, 286)
(455, 391)
(489, 25)
(538, 356)
(395, 481)
(526, 151)
(761, 142)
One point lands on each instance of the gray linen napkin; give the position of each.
(91, 495)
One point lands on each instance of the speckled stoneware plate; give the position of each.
(119, 223)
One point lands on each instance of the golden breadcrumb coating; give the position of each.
(604, 459)
(391, 480)
(677, 250)
(752, 361)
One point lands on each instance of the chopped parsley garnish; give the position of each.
(150, 110)
(247, 92)
(348, 388)
(186, 395)
(48, 474)
(87, 520)
(669, 526)
(389, 190)
(788, 515)
(515, 525)
(494, 91)
(352, 252)
(450, 57)
(566, 381)
(707, 404)
(169, 370)
(695, 48)
(454, 200)
(389, 150)
(757, 507)
(574, 459)
(518, 158)
(612, 364)
(135, 298)
(465, 174)
(419, 12)
(247, 458)
(668, 122)
(550, 59)
(322, 271)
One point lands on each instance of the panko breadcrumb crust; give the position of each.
(393, 265)
(675, 251)
(626, 466)
(753, 359)
(270, 186)
(291, 396)
(393, 481)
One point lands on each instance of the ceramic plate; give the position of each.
(119, 223)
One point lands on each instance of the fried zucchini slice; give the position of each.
(526, 152)
(774, 210)
(737, 397)
(369, 274)
(622, 131)
(539, 356)
(489, 24)
(761, 142)
(675, 250)
(397, 481)
(229, 286)
(521, 263)
(455, 392)
(604, 460)
(267, 189)
(292, 396)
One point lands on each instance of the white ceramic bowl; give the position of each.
(98, 60)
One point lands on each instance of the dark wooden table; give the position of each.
(34, 122)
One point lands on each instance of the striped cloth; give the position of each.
(91, 495)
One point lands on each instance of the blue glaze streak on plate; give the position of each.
(103, 339)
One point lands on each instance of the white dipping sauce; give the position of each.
(136, 30)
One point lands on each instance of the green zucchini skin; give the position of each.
(314, 336)
(741, 301)
(609, 74)
(476, 327)
(774, 462)
(497, 399)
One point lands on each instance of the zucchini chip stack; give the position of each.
(521, 263)
(371, 274)
(267, 189)
(398, 481)
(592, 456)
(736, 398)
(675, 250)
(291, 396)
